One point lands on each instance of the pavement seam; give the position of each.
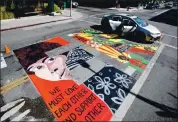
(121, 112)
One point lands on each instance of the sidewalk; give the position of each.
(38, 20)
(132, 9)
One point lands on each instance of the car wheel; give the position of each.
(141, 37)
(106, 26)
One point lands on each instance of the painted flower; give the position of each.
(104, 84)
(123, 79)
(101, 96)
(121, 95)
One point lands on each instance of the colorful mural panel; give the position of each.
(96, 99)
(67, 100)
(132, 54)
(111, 85)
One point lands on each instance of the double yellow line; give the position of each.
(13, 84)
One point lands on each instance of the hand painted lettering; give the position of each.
(56, 101)
(75, 98)
(71, 118)
(94, 112)
(55, 90)
(85, 104)
(64, 108)
(71, 89)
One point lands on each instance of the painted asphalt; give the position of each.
(156, 63)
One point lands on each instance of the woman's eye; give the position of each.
(50, 60)
(39, 67)
(34, 69)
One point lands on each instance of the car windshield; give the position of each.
(140, 22)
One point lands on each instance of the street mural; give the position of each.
(3, 62)
(132, 54)
(67, 100)
(96, 99)
(25, 110)
(111, 85)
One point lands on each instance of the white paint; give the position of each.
(90, 22)
(167, 45)
(72, 34)
(121, 112)
(129, 70)
(22, 115)
(3, 62)
(32, 119)
(11, 104)
(170, 35)
(12, 111)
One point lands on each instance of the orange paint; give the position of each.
(94, 108)
(58, 40)
(66, 99)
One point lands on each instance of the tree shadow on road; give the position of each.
(166, 111)
(128, 37)
(85, 65)
(168, 17)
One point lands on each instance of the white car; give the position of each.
(125, 23)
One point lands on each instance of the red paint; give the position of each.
(137, 63)
(137, 50)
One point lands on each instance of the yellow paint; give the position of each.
(13, 86)
(13, 82)
(109, 36)
(113, 53)
(85, 35)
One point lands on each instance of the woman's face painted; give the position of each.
(51, 68)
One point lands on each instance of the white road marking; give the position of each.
(170, 46)
(129, 70)
(170, 35)
(22, 115)
(121, 112)
(12, 111)
(32, 119)
(3, 62)
(70, 35)
(89, 22)
(167, 45)
(11, 104)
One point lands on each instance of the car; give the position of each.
(169, 4)
(153, 6)
(126, 24)
(175, 3)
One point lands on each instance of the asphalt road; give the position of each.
(156, 99)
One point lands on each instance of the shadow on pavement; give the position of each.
(166, 111)
(173, 96)
(128, 37)
(100, 28)
(85, 65)
(168, 17)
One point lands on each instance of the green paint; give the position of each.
(91, 31)
(135, 56)
(135, 67)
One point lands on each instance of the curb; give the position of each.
(6, 29)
